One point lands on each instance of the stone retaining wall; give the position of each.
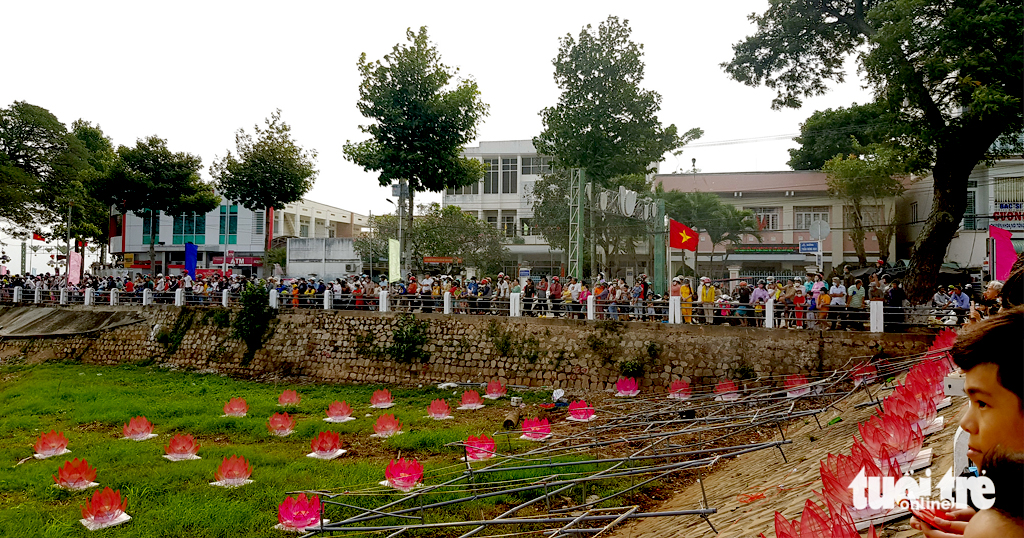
(335, 347)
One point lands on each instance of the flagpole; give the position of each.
(67, 257)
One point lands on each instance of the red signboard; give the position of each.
(238, 260)
(441, 259)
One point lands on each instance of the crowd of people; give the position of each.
(130, 289)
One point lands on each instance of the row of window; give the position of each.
(191, 228)
(501, 176)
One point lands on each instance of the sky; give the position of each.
(194, 73)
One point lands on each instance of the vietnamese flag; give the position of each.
(37, 237)
(682, 236)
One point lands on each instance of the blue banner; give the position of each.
(191, 253)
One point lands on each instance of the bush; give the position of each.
(253, 321)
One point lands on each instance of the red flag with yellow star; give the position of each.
(682, 236)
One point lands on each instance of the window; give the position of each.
(806, 215)
(190, 228)
(472, 188)
(493, 221)
(913, 212)
(870, 216)
(527, 227)
(767, 217)
(491, 172)
(257, 222)
(536, 166)
(508, 226)
(150, 227)
(970, 223)
(303, 230)
(509, 173)
(228, 229)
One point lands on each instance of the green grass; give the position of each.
(167, 499)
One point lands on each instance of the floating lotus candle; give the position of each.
(339, 412)
(471, 401)
(579, 411)
(439, 410)
(298, 514)
(627, 386)
(679, 390)
(796, 385)
(280, 424)
(236, 407)
(326, 446)
(233, 472)
(105, 509)
(181, 447)
(891, 437)
(479, 448)
(288, 398)
(495, 390)
(75, 475)
(864, 373)
(50, 444)
(138, 429)
(403, 474)
(386, 426)
(726, 390)
(381, 399)
(536, 429)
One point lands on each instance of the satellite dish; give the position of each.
(819, 230)
(627, 201)
(586, 191)
(604, 201)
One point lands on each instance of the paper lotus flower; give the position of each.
(339, 412)
(236, 407)
(75, 475)
(864, 373)
(627, 386)
(580, 411)
(495, 390)
(679, 390)
(386, 426)
(289, 397)
(404, 474)
(51, 444)
(181, 447)
(838, 472)
(536, 429)
(911, 407)
(891, 437)
(815, 523)
(726, 390)
(439, 410)
(796, 385)
(479, 448)
(104, 510)
(381, 399)
(280, 424)
(233, 472)
(138, 429)
(326, 445)
(298, 513)
(471, 400)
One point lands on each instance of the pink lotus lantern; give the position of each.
(536, 429)
(864, 373)
(326, 446)
(236, 407)
(891, 437)
(403, 474)
(495, 390)
(75, 475)
(288, 397)
(298, 513)
(233, 472)
(913, 408)
(381, 399)
(106, 509)
(627, 386)
(838, 472)
(815, 523)
(471, 401)
(439, 410)
(339, 412)
(579, 411)
(280, 424)
(726, 390)
(796, 385)
(386, 426)
(479, 448)
(50, 444)
(181, 447)
(679, 390)
(138, 429)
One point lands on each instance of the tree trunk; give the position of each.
(858, 234)
(948, 205)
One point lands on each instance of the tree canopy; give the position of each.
(604, 121)
(951, 74)
(270, 170)
(830, 132)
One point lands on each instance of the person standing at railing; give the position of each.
(856, 303)
(529, 292)
(686, 298)
(484, 297)
(636, 296)
(894, 316)
(555, 294)
(575, 287)
(837, 305)
(959, 302)
(542, 295)
(706, 299)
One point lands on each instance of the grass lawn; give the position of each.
(174, 499)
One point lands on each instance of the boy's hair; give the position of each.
(1006, 470)
(997, 341)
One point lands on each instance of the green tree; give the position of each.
(604, 121)
(270, 170)
(866, 181)
(421, 121)
(828, 133)
(705, 212)
(90, 215)
(150, 177)
(949, 73)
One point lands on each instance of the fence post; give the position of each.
(328, 300)
(225, 298)
(87, 296)
(513, 305)
(675, 309)
(591, 307)
(63, 296)
(38, 295)
(274, 298)
(113, 297)
(383, 300)
(179, 297)
(17, 294)
(877, 309)
(447, 302)
(147, 297)
(769, 314)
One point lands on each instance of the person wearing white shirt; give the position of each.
(837, 308)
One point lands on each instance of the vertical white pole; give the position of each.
(513, 305)
(384, 300)
(328, 300)
(769, 314)
(38, 296)
(113, 297)
(147, 297)
(591, 307)
(179, 297)
(274, 299)
(877, 314)
(63, 296)
(224, 298)
(447, 302)
(17, 294)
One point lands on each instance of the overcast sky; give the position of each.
(195, 72)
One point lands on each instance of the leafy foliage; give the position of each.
(724, 223)
(271, 170)
(252, 323)
(828, 133)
